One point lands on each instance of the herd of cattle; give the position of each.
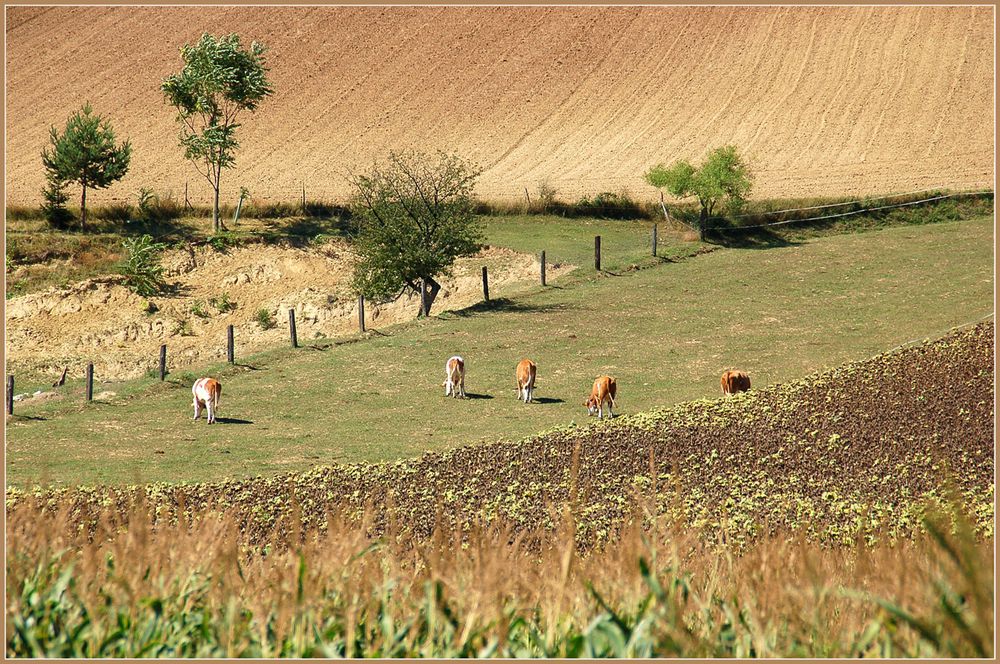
(208, 390)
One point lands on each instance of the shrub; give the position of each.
(265, 319)
(141, 266)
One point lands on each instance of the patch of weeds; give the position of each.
(183, 328)
(265, 319)
(198, 309)
(223, 241)
(149, 307)
(222, 303)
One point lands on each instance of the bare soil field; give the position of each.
(825, 100)
(100, 320)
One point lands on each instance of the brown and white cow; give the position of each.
(605, 388)
(525, 375)
(734, 381)
(454, 371)
(206, 393)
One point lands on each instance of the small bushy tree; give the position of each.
(724, 177)
(413, 216)
(220, 80)
(84, 153)
(54, 199)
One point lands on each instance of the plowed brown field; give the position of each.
(825, 100)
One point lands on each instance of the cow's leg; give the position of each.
(210, 408)
(447, 387)
(531, 389)
(462, 383)
(611, 409)
(197, 408)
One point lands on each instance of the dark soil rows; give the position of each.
(855, 451)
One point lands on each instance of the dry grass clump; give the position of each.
(196, 589)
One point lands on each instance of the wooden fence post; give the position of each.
(187, 203)
(90, 381)
(654, 240)
(597, 253)
(291, 328)
(423, 297)
(486, 285)
(543, 267)
(230, 354)
(303, 195)
(163, 361)
(361, 313)
(10, 394)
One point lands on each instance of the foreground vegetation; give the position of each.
(189, 590)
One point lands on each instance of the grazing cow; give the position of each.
(206, 393)
(525, 374)
(605, 389)
(454, 371)
(734, 381)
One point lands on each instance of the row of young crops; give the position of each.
(853, 452)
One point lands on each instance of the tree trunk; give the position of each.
(83, 209)
(703, 222)
(430, 288)
(215, 210)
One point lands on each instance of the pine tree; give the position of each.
(85, 154)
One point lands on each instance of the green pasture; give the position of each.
(666, 328)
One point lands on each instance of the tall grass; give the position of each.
(195, 589)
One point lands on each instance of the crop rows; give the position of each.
(852, 452)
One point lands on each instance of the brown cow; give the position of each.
(605, 388)
(734, 381)
(525, 376)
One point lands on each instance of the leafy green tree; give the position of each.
(220, 79)
(85, 154)
(724, 177)
(413, 217)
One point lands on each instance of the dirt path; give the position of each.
(100, 320)
(825, 100)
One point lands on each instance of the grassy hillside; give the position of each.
(665, 332)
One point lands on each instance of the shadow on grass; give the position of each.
(544, 400)
(507, 305)
(470, 395)
(733, 237)
(232, 420)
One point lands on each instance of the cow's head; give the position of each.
(591, 404)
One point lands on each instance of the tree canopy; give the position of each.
(413, 216)
(220, 79)
(723, 177)
(85, 153)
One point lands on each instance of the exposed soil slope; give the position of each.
(104, 322)
(851, 451)
(826, 100)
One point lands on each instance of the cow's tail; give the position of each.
(218, 393)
